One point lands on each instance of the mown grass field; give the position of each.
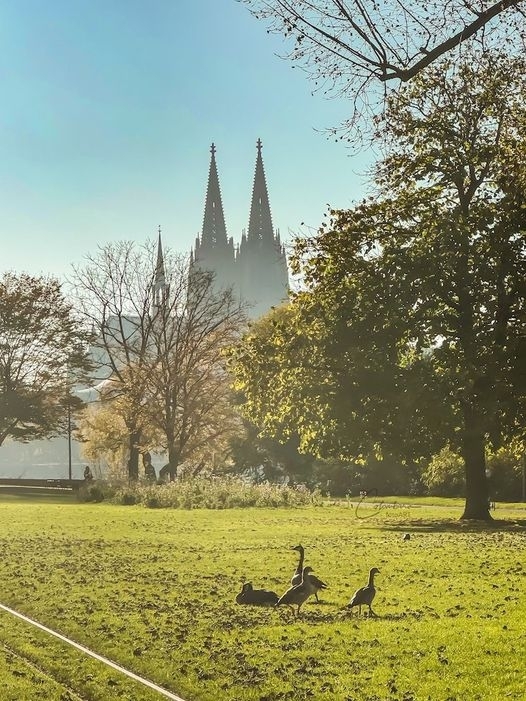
(154, 590)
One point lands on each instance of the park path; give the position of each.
(146, 682)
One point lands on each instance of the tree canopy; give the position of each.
(410, 332)
(362, 49)
(42, 352)
(162, 348)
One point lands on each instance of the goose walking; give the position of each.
(256, 597)
(297, 594)
(365, 595)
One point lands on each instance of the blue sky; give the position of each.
(108, 111)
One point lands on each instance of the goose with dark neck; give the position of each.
(256, 597)
(365, 595)
(297, 594)
(315, 583)
(296, 577)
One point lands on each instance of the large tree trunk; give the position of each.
(169, 471)
(473, 452)
(133, 461)
(173, 462)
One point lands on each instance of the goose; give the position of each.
(256, 597)
(297, 594)
(315, 582)
(365, 595)
(296, 577)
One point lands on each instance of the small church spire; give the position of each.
(160, 288)
(159, 268)
(260, 222)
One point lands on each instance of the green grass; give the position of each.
(154, 591)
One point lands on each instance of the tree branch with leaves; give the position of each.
(412, 321)
(362, 49)
(43, 349)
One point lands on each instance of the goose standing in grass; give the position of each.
(315, 583)
(296, 577)
(256, 597)
(365, 595)
(297, 594)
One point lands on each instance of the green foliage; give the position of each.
(42, 352)
(126, 497)
(216, 493)
(409, 333)
(444, 475)
(505, 466)
(265, 459)
(104, 434)
(154, 590)
(95, 492)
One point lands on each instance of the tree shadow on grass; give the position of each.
(455, 526)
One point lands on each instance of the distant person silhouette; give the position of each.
(88, 474)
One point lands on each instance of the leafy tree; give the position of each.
(357, 48)
(410, 332)
(505, 467)
(265, 459)
(103, 429)
(115, 291)
(444, 476)
(42, 349)
(190, 397)
(103, 433)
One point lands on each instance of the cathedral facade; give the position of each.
(256, 267)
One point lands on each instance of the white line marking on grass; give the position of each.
(100, 658)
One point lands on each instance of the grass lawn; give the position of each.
(154, 590)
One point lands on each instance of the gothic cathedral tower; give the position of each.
(257, 270)
(213, 250)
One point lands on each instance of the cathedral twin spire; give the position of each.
(257, 268)
(260, 222)
(214, 229)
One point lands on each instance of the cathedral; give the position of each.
(256, 268)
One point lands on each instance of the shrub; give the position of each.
(126, 498)
(216, 493)
(444, 476)
(93, 493)
(505, 470)
(96, 494)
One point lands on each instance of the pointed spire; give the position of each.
(160, 288)
(214, 229)
(260, 223)
(160, 277)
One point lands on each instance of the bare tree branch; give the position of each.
(363, 49)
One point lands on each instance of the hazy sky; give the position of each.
(107, 114)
